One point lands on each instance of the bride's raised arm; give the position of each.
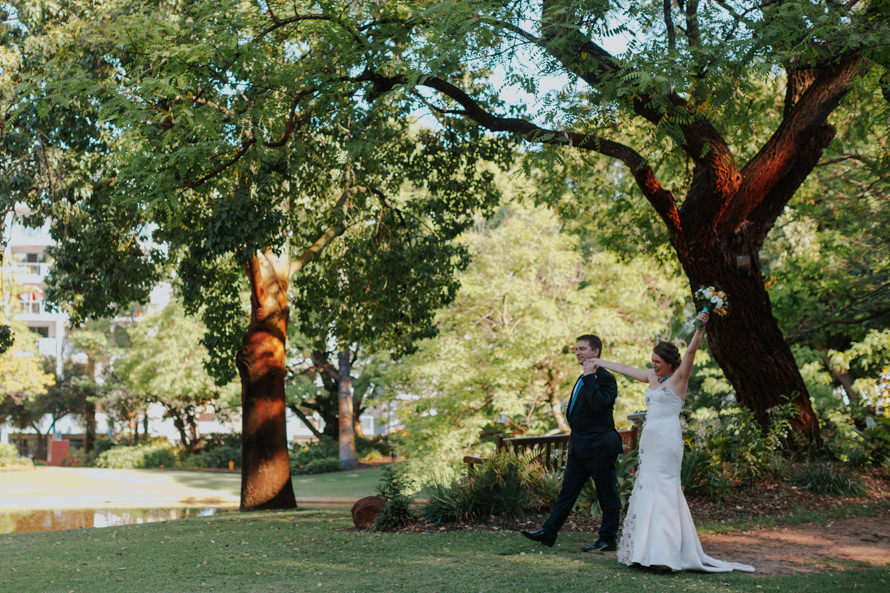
(623, 369)
(685, 369)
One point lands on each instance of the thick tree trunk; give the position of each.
(747, 343)
(348, 458)
(265, 469)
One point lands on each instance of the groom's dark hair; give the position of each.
(594, 342)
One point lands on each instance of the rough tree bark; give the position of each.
(265, 467)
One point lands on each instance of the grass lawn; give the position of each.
(302, 551)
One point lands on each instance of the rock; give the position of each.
(366, 509)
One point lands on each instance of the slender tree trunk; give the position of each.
(265, 471)
(348, 459)
(89, 439)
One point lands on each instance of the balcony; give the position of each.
(30, 272)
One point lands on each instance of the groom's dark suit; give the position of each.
(594, 446)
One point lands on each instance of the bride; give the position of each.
(658, 530)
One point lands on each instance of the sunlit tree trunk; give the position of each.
(265, 471)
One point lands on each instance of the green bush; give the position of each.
(701, 475)
(322, 465)
(394, 488)
(217, 457)
(735, 441)
(324, 448)
(876, 439)
(217, 449)
(506, 485)
(138, 456)
(9, 456)
(323, 455)
(828, 480)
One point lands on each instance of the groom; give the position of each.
(594, 446)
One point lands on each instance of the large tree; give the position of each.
(691, 80)
(245, 144)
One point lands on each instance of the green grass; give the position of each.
(346, 484)
(303, 551)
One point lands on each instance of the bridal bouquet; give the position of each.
(708, 298)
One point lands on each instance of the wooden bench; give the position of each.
(553, 449)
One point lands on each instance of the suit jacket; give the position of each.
(593, 428)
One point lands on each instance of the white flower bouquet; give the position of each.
(710, 299)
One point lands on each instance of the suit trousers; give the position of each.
(578, 471)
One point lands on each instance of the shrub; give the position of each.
(9, 456)
(825, 479)
(217, 449)
(324, 448)
(217, 457)
(323, 455)
(395, 487)
(322, 465)
(876, 439)
(701, 475)
(138, 456)
(734, 440)
(506, 485)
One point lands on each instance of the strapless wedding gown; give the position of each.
(658, 528)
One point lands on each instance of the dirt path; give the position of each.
(841, 544)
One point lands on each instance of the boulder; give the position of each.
(366, 509)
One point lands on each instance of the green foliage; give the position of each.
(828, 480)
(395, 488)
(506, 485)
(528, 291)
(9, 456)
(214, 456)
(316, 457)
(700, 474)
(732, 440)
(7, 338)
(876, 440)
(147, 455)
(323, 455)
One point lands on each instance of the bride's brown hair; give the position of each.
(669, 353)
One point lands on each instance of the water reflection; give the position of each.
(55, 519)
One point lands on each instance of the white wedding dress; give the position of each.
(658, 529)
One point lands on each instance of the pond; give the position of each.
(54, 519)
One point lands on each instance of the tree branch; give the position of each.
(777, 168)
(660, 198)
(322, 242)
(669, 25)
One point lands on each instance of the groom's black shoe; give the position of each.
(600, 546)
(539, 536)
